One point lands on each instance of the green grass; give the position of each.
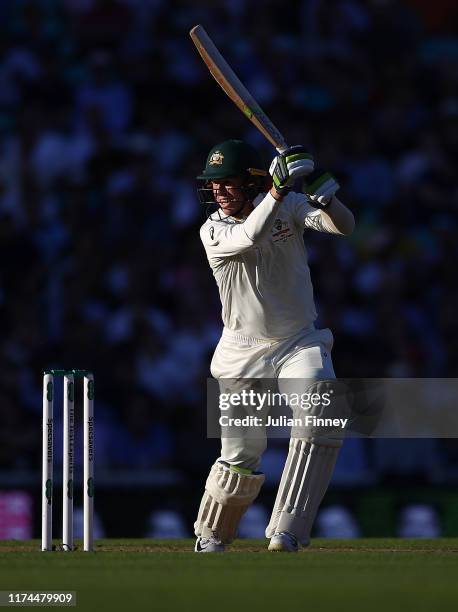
(370, 575)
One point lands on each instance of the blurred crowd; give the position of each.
(106, 116)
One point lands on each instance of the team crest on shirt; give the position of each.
(281, 231)
(216, 159)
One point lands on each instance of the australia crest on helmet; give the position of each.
(216, 159)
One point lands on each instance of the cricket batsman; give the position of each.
(255, 247)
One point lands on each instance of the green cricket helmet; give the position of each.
(232, 158)
(229, 159)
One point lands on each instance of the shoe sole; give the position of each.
(280, 548)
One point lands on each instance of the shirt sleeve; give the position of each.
(228, 239)
(307, 216)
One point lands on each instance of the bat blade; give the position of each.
(234, 88)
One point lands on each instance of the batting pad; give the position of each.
(228, 493)
(305, 479)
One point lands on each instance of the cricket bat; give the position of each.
(234, 88)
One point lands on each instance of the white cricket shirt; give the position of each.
(260, 266)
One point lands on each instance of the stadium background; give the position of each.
(106, 116)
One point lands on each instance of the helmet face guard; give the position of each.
(251, 187)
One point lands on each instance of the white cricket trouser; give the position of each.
(307, 355)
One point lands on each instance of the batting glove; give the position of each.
(320, 186)
(290, 165)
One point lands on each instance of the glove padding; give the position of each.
(320, 186)
(290, 165)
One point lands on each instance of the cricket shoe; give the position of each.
(283, 542)
(208, 545)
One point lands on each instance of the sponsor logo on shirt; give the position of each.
(281, 231)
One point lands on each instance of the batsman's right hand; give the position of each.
(290, 165)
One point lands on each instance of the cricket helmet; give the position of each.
(229, 159)
(232, 158)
